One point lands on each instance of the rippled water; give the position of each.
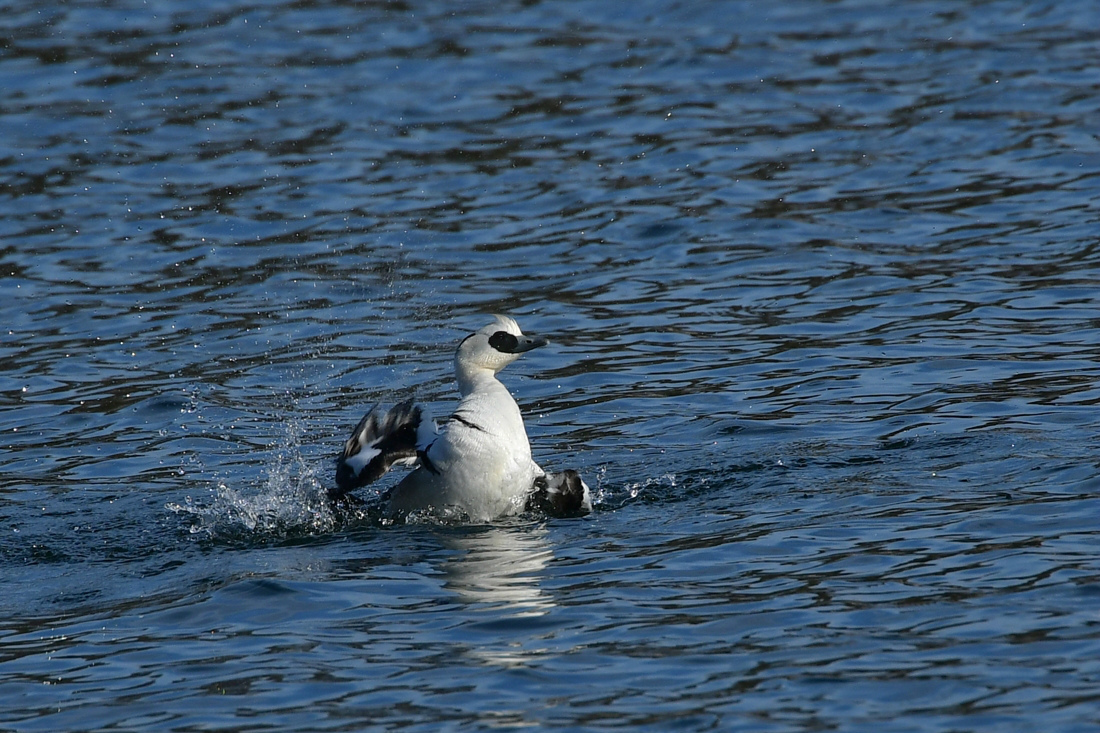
(820, 280)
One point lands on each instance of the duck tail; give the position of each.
(561, 494)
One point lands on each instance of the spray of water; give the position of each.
(291, 500)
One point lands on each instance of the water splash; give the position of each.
(651, 488)
(291, 501)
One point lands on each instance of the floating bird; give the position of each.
(479, 463)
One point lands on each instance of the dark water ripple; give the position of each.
(820, 283)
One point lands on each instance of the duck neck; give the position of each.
(471, 379)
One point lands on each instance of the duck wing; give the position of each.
(382, 438)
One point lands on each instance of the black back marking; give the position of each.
(425, 461)
(468, 423)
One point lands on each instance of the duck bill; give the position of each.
(526, 343)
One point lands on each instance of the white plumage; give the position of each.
(479, 463)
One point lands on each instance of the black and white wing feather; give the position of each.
(381, 439)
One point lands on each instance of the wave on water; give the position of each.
(608, 496)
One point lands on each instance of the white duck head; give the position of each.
(490, 349)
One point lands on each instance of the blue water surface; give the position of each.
(820, 280)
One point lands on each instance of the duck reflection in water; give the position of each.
(499, 566)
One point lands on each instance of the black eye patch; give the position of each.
(504, 342)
